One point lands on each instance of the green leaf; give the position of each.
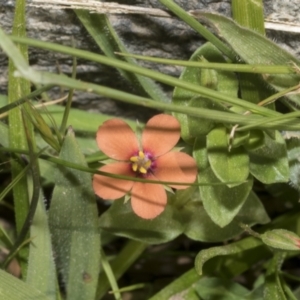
(4, 141)
(121, 220)
(48, 78)
(74, 225)
(227, 165)
(249, 14)
(178, 287)
(200, 227)
(217, 288)
(120, 264)
(273, 287)
(293, 147)
(18, 88)
(254, 48)
(200, 154)
(222, 203)
(238, 250)
(12, 288)
(4, 238)
(41, 273)
(222, 81)
(203, 31)
(269, 163)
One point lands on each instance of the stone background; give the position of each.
(153, 36)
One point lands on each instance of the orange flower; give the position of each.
(151, 159)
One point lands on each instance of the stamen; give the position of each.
(140, 163)
(134, 159)
(141, 154)
(143, 170)
(134, 167)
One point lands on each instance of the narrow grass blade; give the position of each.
(107, 39)
(126, 257)
(12, 288)
(18, 88)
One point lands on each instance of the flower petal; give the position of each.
(177, 167)
(113, 188)
(161, 134)
(148, 200)
(117, 140)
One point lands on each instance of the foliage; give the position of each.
(239, 139)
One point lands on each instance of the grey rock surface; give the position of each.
(142, 34)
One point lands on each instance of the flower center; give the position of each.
(140, 163)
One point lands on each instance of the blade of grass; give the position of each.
(13, 288)
(107, 39)
(13, 182)
(62, 80)
(224, 117)
(128, 255)
(23, 232)
(18, 88)
(260, 69)
(67, 109)
(83, 168)
(110, 276)
(184, 282)
(188, 19)
(41, 78)
(24, 99)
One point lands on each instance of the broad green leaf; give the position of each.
(293, 147)
(254, 48)
(222, 203)
(12, 288)
(269, 163)
(239, 139)
(196, 126)
(41, 273)
(222, 288)
(222, 81)
(74, 225)
(217, 288)
(200, 154)
(121, 220)
(200, 227)
(227, 165)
